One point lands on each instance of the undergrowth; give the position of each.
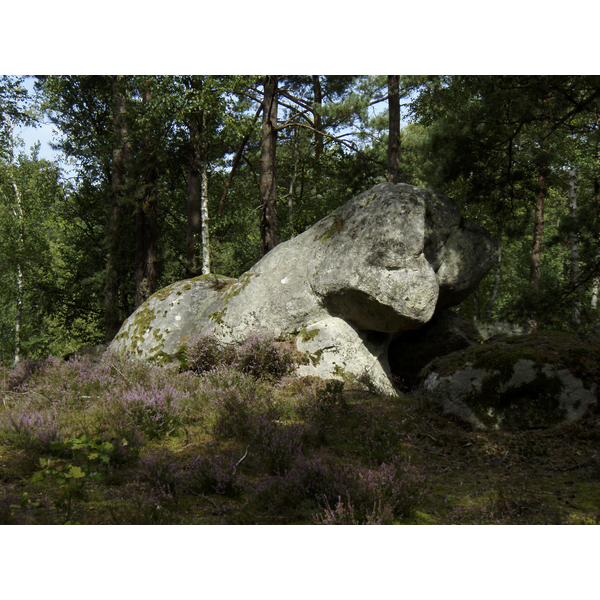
(231, 436)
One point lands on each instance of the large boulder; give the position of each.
(542, 380)
(384, 262)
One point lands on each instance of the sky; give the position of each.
(43, 134)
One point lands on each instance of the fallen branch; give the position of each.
(239, 462)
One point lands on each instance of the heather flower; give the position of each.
(161, 473)
(236, 400)
(203, 353)
(278, 444)
(17, 377)
(142, 506)
(156, 412)
(264, 358)
(32, 431)
(344, 513)
(311, 479)
(380, 436)
(214, 475)
(397, 485)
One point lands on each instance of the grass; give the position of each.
(235, 441)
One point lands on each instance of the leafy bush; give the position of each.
(21, 510)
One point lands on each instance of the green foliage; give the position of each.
(92, 455)
(476, 138)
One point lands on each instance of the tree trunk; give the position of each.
(292, 187)
(538, 226)
(146, 253)
(318, 139)
(490, 303)
(394, 128)
(18, 212)
(538, 231)
(574, 242)
(204, 210)
(111, 297)
(194, 193)
(596, 280)
(268, 185)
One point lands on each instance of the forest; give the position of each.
(169, 177)
(165, 178)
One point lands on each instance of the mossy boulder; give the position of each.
(542, 380)
(384, 262)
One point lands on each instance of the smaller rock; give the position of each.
(542, 380)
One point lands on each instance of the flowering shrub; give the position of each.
(15, 378)
(379, 435)
(142, 506)
(278, 445)
(214, 475)
(236, 399)
(203, 353)
(156, 412)
(344, 513)
(264, 358)
(31, 431)
(161, 474)
(311, 480)
(324, 405)
(398, 484)
(376, 496)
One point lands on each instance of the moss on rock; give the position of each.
(534, 381)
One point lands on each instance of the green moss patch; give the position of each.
(498, 400)
(336, 226)
(561, 350)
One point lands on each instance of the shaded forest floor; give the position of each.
(312, 453)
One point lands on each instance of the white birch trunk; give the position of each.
(204, 212)
(18, 212)
(595, 284)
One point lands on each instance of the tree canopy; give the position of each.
(175, 176)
